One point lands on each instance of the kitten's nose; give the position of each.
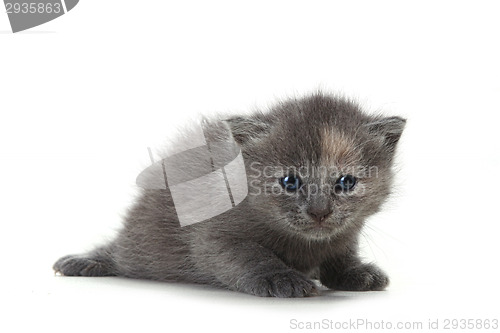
(319, 215)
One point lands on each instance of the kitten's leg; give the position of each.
(250, 268)
(349, 273)
(95, 263)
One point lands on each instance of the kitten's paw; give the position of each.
(366, 277)
(281, 284)
(75, 265)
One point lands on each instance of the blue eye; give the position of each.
(290, 183)
(346, 183)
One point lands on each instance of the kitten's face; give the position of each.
(320, 196)
(321, 166)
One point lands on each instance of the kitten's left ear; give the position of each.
(389, 130)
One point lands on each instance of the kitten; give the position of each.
(316, 168)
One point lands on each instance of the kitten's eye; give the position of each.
(346, 183)
(291, 183)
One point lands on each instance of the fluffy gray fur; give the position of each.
(270, 244)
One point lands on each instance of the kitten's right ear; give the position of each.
(245, 129)
(389, 130)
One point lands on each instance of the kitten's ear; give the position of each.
(246, 129)
(389, 130)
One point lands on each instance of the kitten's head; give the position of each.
(318, 165)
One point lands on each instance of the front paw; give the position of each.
(364, 277)
(285, 284)
(76, 265)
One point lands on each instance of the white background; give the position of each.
(83, 96)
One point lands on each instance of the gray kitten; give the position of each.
(316, 167)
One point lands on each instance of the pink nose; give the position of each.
(319, 216)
